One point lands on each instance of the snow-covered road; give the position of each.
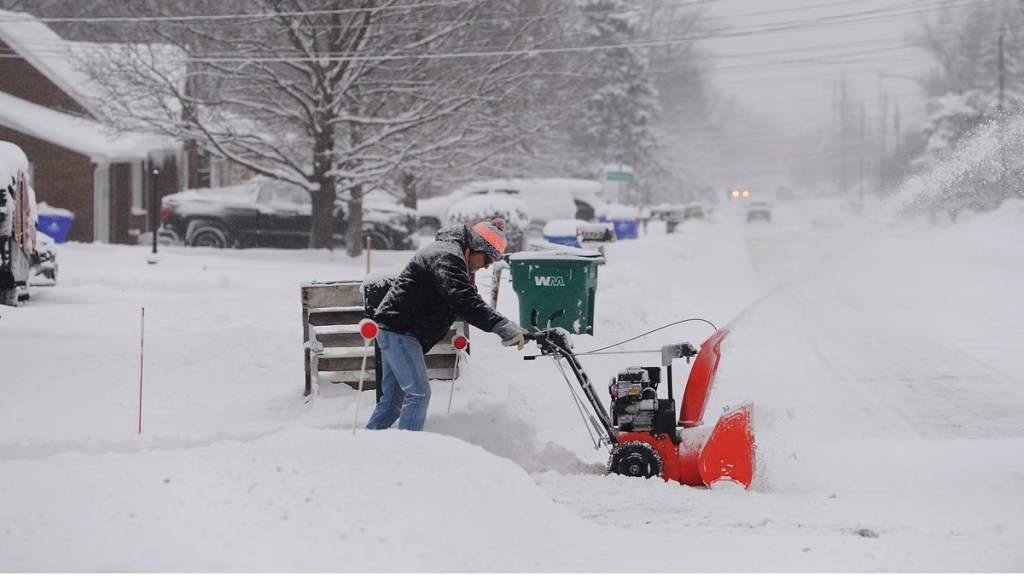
(880, 362)
(883, 360)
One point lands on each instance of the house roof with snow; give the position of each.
(51, 55)
(61, 62)
(82, 135)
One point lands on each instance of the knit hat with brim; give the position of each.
(489, 238)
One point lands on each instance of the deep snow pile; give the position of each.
(883, 363)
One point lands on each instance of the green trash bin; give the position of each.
(551, 280)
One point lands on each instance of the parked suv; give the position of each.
(272, 214)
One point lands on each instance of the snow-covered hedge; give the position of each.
(617, 212)
(484, 207)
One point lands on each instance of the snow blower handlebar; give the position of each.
(557, 343)
(550, 340)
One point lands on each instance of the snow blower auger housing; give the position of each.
(641, 429)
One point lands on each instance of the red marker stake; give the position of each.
(459, 342)
(142, 347)
(368, 330)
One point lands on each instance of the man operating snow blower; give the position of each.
(419, 308)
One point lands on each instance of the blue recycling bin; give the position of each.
(563, 240)
(55, 226)
(624, 229)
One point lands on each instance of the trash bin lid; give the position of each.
(558, 252)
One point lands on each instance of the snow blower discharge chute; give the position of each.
(641, 429)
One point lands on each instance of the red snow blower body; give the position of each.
(641, 429)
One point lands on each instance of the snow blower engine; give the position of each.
(641, 428)
(635, 403)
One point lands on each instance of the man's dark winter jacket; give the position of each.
(433, 289)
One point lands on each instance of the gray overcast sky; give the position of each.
(784, 57)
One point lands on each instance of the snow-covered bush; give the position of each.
(484, 207)
(618, 212)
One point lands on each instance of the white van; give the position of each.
(546, 199)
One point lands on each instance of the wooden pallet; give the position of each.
(334, 351)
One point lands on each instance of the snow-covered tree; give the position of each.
(689, 125)
(620, 103)
(333, 95)
(978, 49)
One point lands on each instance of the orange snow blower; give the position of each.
(641, 429)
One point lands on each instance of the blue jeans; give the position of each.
(405, 388)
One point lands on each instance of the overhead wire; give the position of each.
(877, 15)
(817, 22)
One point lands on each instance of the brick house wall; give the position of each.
(61, 178)
(66, 179)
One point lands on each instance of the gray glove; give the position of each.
(511, 333)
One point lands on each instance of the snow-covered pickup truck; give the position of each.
(269, 214)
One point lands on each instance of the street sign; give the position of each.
(619, 176)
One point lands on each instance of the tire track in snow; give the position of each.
(892, 375)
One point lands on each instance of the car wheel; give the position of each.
(206, 235)
(378, 240)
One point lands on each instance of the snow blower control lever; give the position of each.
(641, 428)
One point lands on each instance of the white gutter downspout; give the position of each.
(101, 203)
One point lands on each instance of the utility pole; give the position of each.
(860, 187)
(1000, 121)
(1002, 75)
(843, 180)
(896, 132)
(883, 115)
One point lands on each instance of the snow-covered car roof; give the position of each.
(545, 198)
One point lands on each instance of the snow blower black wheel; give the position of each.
(636, 459)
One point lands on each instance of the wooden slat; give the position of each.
(329, 363)
(329, 294)
(352, 340)
(351, 378)
(317, 318)
(327, 309)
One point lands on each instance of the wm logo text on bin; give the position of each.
(549, 280)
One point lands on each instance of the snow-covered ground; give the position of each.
(884, 361)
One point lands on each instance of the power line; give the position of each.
(226, 58)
